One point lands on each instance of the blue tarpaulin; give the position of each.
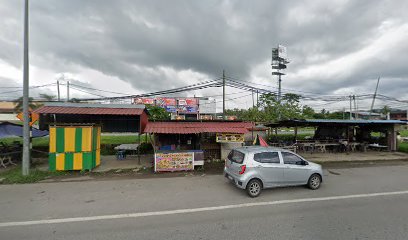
(14, 130)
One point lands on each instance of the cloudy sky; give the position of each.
(335, 47)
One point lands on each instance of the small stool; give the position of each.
(120, 155)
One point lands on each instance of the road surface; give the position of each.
(353, 203)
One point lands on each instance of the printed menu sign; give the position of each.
(174, 161)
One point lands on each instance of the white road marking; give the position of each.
(194, 210)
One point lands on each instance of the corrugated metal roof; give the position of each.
(90, 110)
(316, 122)
(92, 105)
(352, 121)
(197, 127)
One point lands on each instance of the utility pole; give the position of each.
(257, 98)
(67, 91)
(223, 94)
(280, 89)
(351, 112)
(58, 89)
(344, 110)
(253, 100)
(26, 114)
(355, 107)
(375, 94)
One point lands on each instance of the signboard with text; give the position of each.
(149, 101)
(173, 161)
(187, 101)
(166, 101)
(229, 138)
(33, 117)
(187, 109)
(171, 109)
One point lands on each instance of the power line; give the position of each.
(80, 90)
(32, 87)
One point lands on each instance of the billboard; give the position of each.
(187, 109)
(163, 101)
(170, 109)
(208, 106)
(149, 101)
(187, 101)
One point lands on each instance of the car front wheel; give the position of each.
(254, 188)
(314, 181)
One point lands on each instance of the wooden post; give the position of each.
(296, 130)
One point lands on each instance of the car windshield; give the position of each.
(236, 156)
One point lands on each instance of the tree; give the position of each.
(18, 104)
(157, 113)
(385, 110)
(47, 97)
(287, 108)
(75, 100)
(308, 112)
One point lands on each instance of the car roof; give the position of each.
(256, 149)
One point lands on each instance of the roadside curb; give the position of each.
(362, 163)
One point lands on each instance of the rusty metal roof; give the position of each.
(197, 127)
(89, 110)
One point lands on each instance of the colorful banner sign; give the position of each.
(187, 109)
(171, 109)
(166, 101)
(173, 161)
(149, 101)
(229, 137)
(187, 101)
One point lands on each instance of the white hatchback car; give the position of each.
(255, 168)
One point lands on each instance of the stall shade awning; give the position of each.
(197, 127)
(15, 130)
(89, 110)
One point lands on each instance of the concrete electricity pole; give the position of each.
(58, 89)
(351, 112)
(223, 94)
(26, 114)
(67, 91)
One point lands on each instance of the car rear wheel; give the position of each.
(254, 188)
(314, 181)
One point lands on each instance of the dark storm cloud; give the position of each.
(139, 41)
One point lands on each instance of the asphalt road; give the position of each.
(352, 203)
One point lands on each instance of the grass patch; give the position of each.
(288, 137)
(404, 133)
(403, 147)
(122, 139)
(14, 175)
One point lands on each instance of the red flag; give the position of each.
(262, 142)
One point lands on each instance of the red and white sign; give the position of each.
(187, 101)
(149, 101)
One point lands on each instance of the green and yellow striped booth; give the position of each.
(74, 147)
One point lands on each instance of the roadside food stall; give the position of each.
(182, 145)
(337, 135)
(74, 147)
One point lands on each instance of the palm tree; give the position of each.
(47, 97)
(18, 104)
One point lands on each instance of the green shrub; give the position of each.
(146, 148)
(403, 147)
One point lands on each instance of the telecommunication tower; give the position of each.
(279, 62)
